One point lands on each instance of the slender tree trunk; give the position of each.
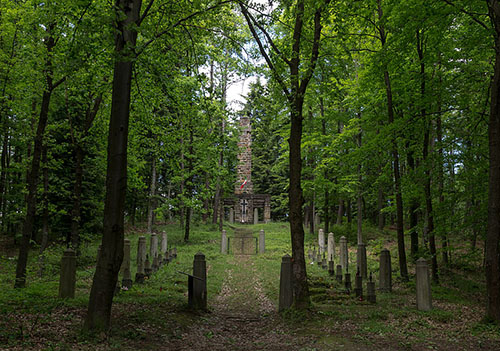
(33, 172)
(492, 249)
(189, 185)
(413, 211)
(3, 175)
(403, 268)
(340, 212)
(152, 194)
(111, 254)
(425, 157)
(45, 216)
(326, 204)
(359, 199)
(380, 207)
(77, 198)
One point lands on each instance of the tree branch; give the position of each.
(468, 13)
(263, 52)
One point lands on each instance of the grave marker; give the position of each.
(67, 278)
(423, 285)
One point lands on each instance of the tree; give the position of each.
(300, 74)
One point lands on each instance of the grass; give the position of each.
(157, 309)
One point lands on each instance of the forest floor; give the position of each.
(242, 306)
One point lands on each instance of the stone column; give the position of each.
(370, 291)
(331, 268)
(223, 242)
(321, 241)
(286, 286)
(199, 282)
(385, 278)
(317, 222)
(141, 259)
(267, 210)
(255, 215)
(153, 246)
(126, 279)
(262, 241)
(67, 279)
(147, 267)
(344, 253)
(231, 215)
(331, 247)
(423, 285)
(164, 243)
(338, 273)
(358, 285)
(361, 263)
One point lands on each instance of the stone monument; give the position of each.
(244, 205)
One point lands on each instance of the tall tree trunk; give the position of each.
(425, 158)
(111, 254)
(359, 199)
(189, 185)
(380, 207)
(403, 268)
(33, 172)
(45, 216)
(3, 175)
(340, 212)
(326, 204)
(492, 254)
(152, 194)
(413, 210)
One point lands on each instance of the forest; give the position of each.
(377, 115)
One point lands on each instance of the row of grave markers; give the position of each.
(423, 286)
(67, 279)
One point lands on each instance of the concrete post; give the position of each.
(141, 259)
(126, 278)
(153, 246)
(423, 285)
(331, 247)
(347, 282)
(331, 268)
(262, 241)
(231, 215)
(255, 215)
(338, 274)
(361, 260)
(164, 243)
(324, 265)
(199, 282)
(321, 241)
(370, 291)
(385, 278)
(358, 285)
(147, 267)
(67, 278)
(344, 253)
(223, 242)
(286, 283)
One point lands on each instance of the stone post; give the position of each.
(67, 279)
(199, 282)
(141, 259)
(324, 265)
(153, 246)
(331, 268)
(344, 253)
(331, 247)
(321, 241)
(126, 278)
(347, 281)
(147, 267)
(223, 242)
(231, 215)
(286, 283)
(358, 285)
(361, 263)
(319, 260)
(262, 241)
(255, 215)
(164, 243)
(314, 254)
(423, 285)
(370, 291)
(267, 210)
(385, 278)
(338, 274)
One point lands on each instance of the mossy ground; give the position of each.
(243, 294)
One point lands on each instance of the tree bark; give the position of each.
(403, 268)
(111, 254)
(492, 250)
(152, 194)
(33, 172)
